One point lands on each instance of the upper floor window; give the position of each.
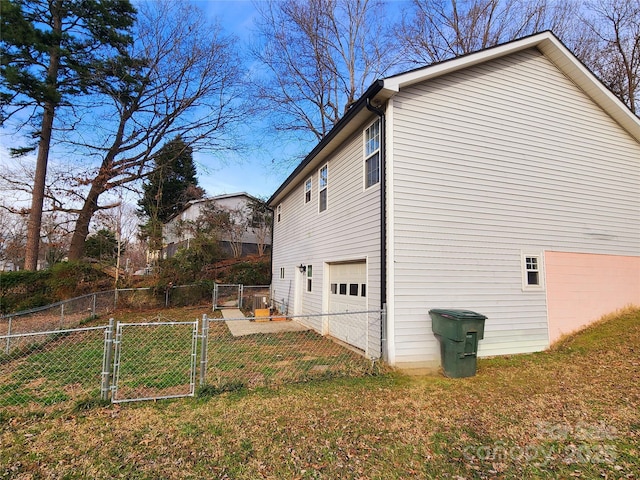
(323, 183)
(372, 154)
(279, 212)
(307, 191)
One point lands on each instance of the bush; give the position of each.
(24, 290)
(248, 273)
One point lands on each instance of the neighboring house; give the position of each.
(253, 231)
(512, 182)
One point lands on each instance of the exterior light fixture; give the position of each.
(302, 268)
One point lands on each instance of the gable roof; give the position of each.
(382, 90)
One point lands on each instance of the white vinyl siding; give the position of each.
(490, 162)
(349, 230)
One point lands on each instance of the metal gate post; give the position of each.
(107, 361)
(9, 336)
(240, 293)
(93, 307)
(62, 315)
(203, 349)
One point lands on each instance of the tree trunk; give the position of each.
(81, 231)
(37, 196)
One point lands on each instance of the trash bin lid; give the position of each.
(457, 314)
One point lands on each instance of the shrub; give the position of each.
(248, 273)
(23, 290)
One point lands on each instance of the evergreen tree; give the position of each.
(102, 246)
(170, 186)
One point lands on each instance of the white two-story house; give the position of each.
(251, 235)
(506, 182)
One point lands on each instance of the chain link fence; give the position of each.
(154, 360)
(164, 359)
(76, 311)
(248, 353)
(51, 367)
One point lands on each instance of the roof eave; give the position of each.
(336, 135)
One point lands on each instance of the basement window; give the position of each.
(532, 278)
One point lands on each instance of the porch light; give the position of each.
(302, 268)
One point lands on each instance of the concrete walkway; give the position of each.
(239, 327)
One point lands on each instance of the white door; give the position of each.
(348, 293)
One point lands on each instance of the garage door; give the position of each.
(348, 293)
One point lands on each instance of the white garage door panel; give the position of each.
(347, 285)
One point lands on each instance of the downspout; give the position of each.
(383, 216)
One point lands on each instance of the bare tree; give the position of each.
(610, 46)
(436, 30)
(318, 57)
(13, 230)
(260, 222)
(187, 86)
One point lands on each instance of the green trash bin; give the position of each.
(458, 332)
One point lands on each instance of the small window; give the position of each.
(281, 272)
(309, 277)
(323, 183)
(353, 289)
(279, 212)
(334, 288)
(343, 289)
(372, 154)
(532, 272)
(307, 191)
(363, 290)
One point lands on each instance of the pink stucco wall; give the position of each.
(581, 288)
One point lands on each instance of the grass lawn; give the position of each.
(572, 412)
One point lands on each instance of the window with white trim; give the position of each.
(532, 278)
(309, 277)
(281, 272)
(372, 154)
(279, 212)
(307, 191)
(323, 183)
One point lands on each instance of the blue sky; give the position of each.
(252, 172)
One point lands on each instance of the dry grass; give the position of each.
(573, 412)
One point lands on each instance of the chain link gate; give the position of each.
(227, 296)
(153, 361)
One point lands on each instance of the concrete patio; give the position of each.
(238, 327)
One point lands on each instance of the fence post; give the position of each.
(383, 332)
(115, 299)
(62, 315)
(203, 349)
(367, 350)
(93, 307)
(107, 362)
(9, 336)
(241, 289)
